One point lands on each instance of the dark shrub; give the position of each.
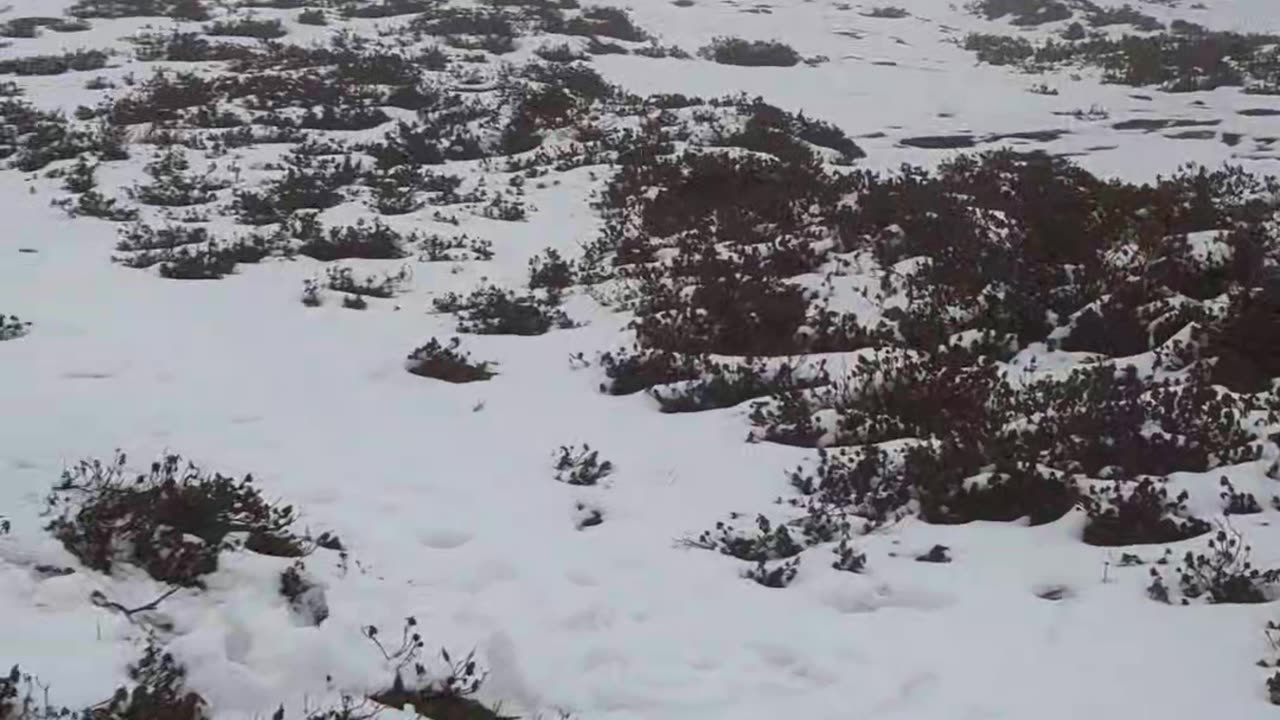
(550, 270)
(344, 280)
(606, 21)
(1024, 12)
(1224, 574)
(364, 240)
(313, 16)
(778, 576)
(757, 53)
(248, 27)
(583, 466)
(172, 521)
(447, 362)
(493, 311)
(1139, 513)
(11, 327)
(79, 60)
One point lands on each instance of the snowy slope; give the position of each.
(444, 494)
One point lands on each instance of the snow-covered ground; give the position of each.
(444, 494)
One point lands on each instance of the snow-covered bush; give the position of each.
(78, 60)
(172, 521)
(494, 311)
(848, 558)
(173, 184)
(157, 691)
(778, 575)
(551, 270)
(432, 689)
(304, 594)
(447, 362)
(605, 21)
(1023, 12)
(307, 184)
(977, 447)
(312, 16)
(581, 466)
(1130, 513)
(386, 285)
(92, 203)
(767, 542)
(1185, 59)
(1224, 573)
(265, 29)
(363, 240)
(11, 326)
(752, 53)
(891, 12)
(175, 9)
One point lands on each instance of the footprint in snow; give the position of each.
(853, 600)
(444, 538)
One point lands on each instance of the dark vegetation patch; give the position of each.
(890, 12)
(750, 53)
(12, 327)
(30, 138)
(176, 46)
(581, 465)
(1023, 12)
(494, 311)
(77, 60)
(447, 695)
(1153, 124)
(364, 240)
(1029, 13)
(193, 10)
(312, 16)
(386, 285)
(249, 27)
(605, 21)
(156, 689)
(30, 27)
(1003, 251)
(939, 142)
(447, 362)
(1188, 61)
(171, 522)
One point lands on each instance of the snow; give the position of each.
(444, 494)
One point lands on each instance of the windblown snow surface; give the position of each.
(444, 494)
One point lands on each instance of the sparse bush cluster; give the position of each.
(494, 311)
(193, 10)
(363, 240)
(385, 285)
(157, 690)
(182, 252)
(1003, 251)
(1224, 573)
(447, 362)
(1025, 13)
(444, 691)
(1190, 60)
(581, 466)
(11, 327)
(78, 60)
(171, 522)
(31, 139)
(750, 53)
(29, 27)
(248, 27)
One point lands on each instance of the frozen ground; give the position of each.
(444, 495)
